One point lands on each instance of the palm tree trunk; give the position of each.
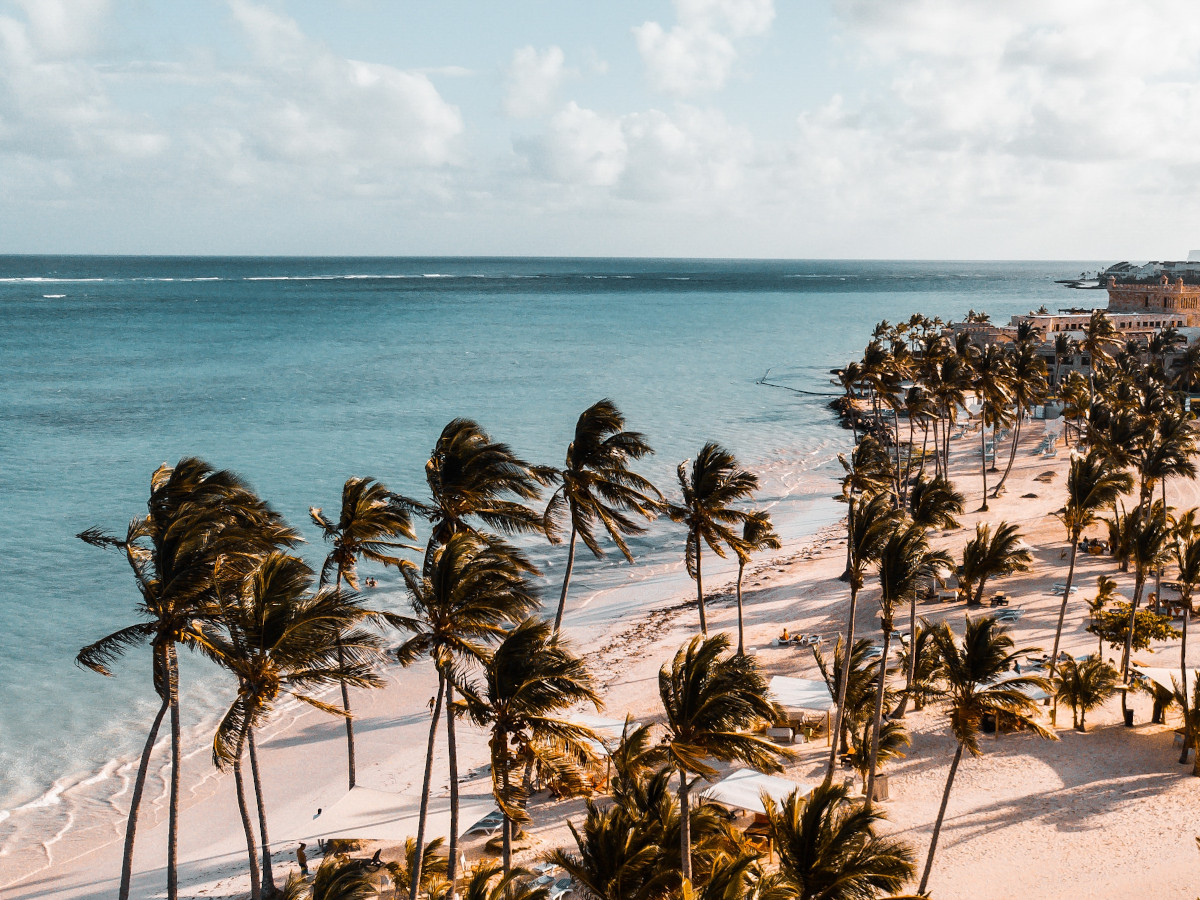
(937, 826)
(433, 724)
(346, 698)
(268, 876)
(741, 629)
(562, 598)
(883, 665)
(1138, 585)
(685, 827)
(983, 453)
(925, 447)
(840, 712)
(846, 575)
(176, 759)
(1186, 599)
(452, 756)
(1062, 609)
(244, 810)
(700, 591)
(500, 739)
(1012, 453)
(135, 800)
(912, 657)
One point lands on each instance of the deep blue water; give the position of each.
(301, 372)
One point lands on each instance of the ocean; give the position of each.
(300, 372)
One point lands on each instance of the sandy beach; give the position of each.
(1112, 808)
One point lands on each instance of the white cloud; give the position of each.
(581, 147)
(699, 52)
(532, 80)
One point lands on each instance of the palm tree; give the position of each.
(469, 476)
(531, 676)
(196, 517)
(711, 699)
(339, 878)
(934, 503)
(869, 527)
(1150, 546)
(471, 588)
(1028, 390)
(281, 641)
(1106, 592)
(848, 378)
(715, 481)
(1187, 369)
(371, 517)
(905, 562)
(992, 555)
(1064, 346)
(972, 691)
(1191, 718)
(1085, 686)
(993, 385)
(618, 857)
(432, 868)
(1169, 452)
(868, 472)
(920, 660)
(598, 486)
(828, 848)
(1187, 556)
(757, 534)
(513, 884)
(1092, 485)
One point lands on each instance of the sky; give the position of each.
(887, 129)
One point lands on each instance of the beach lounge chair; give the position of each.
(561, 888)
(1061, 586)
(1010, 615)
(489, 824)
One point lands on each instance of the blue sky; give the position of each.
(812, 128)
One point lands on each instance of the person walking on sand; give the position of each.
(302, 859)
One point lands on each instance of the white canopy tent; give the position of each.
(1029, 690)
(608, 730)
(801, 697)
(744, 789)
(371, 815)
(1167, 677)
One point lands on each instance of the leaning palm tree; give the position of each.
(371, 518)
(1092, 485)
(598, 487)
(1028, 390)
(1085, 686)
(972, 670)
(829, 850)
(530, 678)
(470, 477)
(196, 517)
(992, 554)
(934, 503)
(905, 562)
(281, 641)
(715, 481)
(869, 527)
(471, 589)
(712, 699)
(757, 534)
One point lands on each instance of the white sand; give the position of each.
(1109, 814)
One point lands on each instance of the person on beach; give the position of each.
(302, 859)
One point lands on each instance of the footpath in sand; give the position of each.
(1107, 814)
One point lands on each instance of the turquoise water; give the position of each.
(301, 372)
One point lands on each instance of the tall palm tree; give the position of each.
(598, 487)
(1150, 549)
(924, 667)
(992, 554)
(1028, 390)
(905, 562)
(471, 588)
(1092, 485)
(1064, 347)
(712, 699)
(196, 517)
(470, 476)
(934, 503)
(531, 677)
(861, 673)
(1085, 686)
(758, 534)
(993, 385)
(1169, 452)
(829, 850)
(849, 378)
(868, 472)
(1187, 556)
(972, 691)
(279, 640)
(371, 518)
(715, 481)
(869, 527)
